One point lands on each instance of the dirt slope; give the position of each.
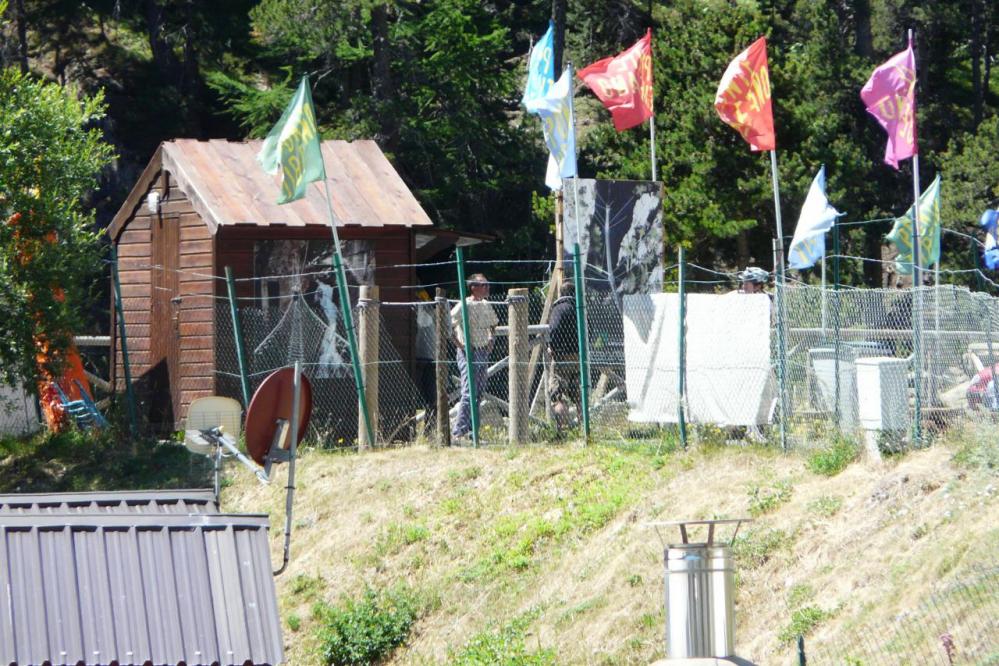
(555, 536)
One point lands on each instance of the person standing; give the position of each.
(482, 322)
(563, 345)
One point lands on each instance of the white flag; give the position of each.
(817, 217)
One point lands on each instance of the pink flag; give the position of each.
(890, 96)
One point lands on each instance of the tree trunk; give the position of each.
(874, 275)
(383, 87)
(22, 37)
(558, 16)
(163, 55)
(864, 45)
(977, 89)
(742, 245)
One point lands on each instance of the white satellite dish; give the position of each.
(206, 414)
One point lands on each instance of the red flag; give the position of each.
(624, 83)
(743, 99)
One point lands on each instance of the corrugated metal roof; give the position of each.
(129, 501)
(137, 589)
(227, 186)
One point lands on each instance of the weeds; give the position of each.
(506, 646)
(803, 621)
(754, 549)
(764, 499)
(826, 506)
(368, 630)
(977, 449)
(834, 459)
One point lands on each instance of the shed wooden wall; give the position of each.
(170, 341)
(169, 299)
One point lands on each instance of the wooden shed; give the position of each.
(200, 206)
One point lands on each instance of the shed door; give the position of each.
(165, 326)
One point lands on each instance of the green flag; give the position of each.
(293, 146)
(929, 231)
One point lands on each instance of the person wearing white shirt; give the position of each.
(482, 322)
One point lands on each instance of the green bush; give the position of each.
(803, 621)
(834, 459)
(365, 631)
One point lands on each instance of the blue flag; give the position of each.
(540, 99)
(559, 125)
(990, 223)
(540, 69)
(817, 217)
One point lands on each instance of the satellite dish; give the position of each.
(206, 414)
(268, 419)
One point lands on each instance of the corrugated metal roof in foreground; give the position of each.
(127, 501)
(227, 186)
(137, 589)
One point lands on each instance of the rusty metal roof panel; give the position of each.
(227, 186)
(129, 501)
(126, 589)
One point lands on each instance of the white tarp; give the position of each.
(729, 373)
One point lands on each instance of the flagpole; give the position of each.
(825, 316)
(348, 323)
(917, 309)
(781, 342)
(580, 282)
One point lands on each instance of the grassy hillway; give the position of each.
(540, 554)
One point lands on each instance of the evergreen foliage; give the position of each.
(438, 84)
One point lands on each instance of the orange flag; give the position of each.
(743, 99)
(624, 83)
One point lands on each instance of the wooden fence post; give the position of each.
(518, 371)
(369, 329)
(443, 325)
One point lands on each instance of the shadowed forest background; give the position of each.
(437, 83)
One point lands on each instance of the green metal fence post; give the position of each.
(802, 659)
(237, 333)
(348, 321)
(120, 311)
(584, 361)
(836, 325)
(681, 379)
(470, 369)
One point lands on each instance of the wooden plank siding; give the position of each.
(211, 215)
(197, 307)
(175, 337)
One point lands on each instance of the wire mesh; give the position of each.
(855, 361)
(958, 624)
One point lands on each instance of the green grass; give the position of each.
(754, 549)
(77, 460)
(833, 459)
(594, 486)
(503, 646)
(826, 506)
(764, 499)
(804, 620)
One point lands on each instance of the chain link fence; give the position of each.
(958, 624)
(855, 363)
